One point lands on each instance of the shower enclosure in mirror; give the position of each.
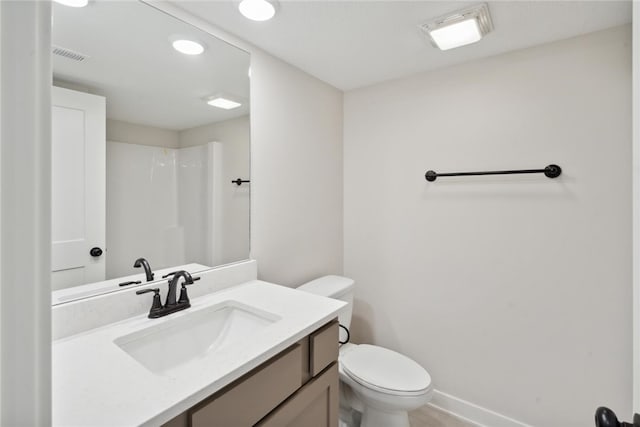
(150, 127)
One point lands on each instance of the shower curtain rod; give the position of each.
(551, 171)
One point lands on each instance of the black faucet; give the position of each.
(173, 286)
(171, 305)
(141, 262)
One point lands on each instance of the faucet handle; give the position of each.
(132, 282)
(187, 282)
(146, 291)
(157, 304)
(184, 298)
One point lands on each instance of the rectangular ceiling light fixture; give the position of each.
(224, 101)
(458, 28)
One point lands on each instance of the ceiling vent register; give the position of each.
(68, 53)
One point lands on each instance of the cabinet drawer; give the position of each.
(247, 400)
(314, 405)
(323, 347)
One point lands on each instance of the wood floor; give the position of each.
(428, 416)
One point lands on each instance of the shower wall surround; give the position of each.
(174, 194)
(514, 292)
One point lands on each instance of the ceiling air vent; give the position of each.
(68, 53)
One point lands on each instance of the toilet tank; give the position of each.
(336, 287)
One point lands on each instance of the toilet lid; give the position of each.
(385, 370)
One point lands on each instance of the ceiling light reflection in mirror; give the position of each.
(73, 3)
(186, 46)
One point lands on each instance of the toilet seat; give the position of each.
(385, 371)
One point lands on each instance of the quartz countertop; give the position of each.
(96, 383)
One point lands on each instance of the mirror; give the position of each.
(146, 143)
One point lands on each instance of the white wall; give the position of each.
(235, 131)
(296, 152)
(514, 292)
(25, 198)
(134, 133)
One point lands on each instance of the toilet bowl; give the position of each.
(382, 386)
(378, 386)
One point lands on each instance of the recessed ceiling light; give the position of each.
(257, 10)
(188, 47)
(459, 28)
(73, 3)
(221, 102)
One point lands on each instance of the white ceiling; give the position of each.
(350, 44)
(131, 63)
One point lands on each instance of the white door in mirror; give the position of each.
(78, 188)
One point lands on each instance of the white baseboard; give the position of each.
(482, 417)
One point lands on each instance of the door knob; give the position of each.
(605, 417)
(95, 252)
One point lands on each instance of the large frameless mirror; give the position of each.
(150, 127)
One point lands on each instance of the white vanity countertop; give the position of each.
(95, 383)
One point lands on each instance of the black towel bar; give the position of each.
(551, 171)
(239, 181)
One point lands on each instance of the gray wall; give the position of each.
(514, 292)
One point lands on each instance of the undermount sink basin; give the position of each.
(194, 334)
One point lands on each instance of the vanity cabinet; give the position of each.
(296, 388)
(313, 405)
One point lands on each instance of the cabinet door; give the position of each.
(314, 405)
(323, 347)
(246, 401)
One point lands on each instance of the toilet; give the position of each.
(378, 386)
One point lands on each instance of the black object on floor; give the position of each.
(605, 417)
